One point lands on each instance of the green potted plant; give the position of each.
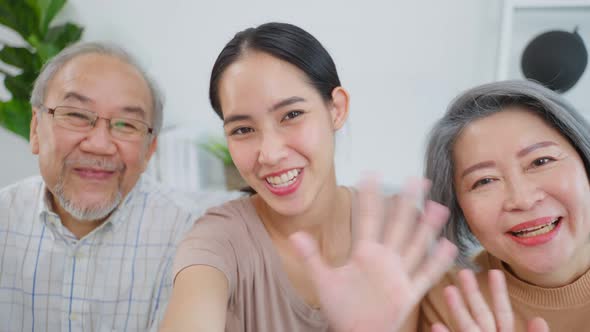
(31, 19)
(218, 148)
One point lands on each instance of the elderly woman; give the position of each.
(511, 160)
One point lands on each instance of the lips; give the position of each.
(94, 174)
(533, 224)
(284, 182)
(283, 179)
(535, 232)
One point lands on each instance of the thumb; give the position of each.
(537, 324)
(307, 250)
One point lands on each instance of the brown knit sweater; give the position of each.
(564, 308)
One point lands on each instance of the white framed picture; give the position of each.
(525, 20)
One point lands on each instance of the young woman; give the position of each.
(253, 264)
(511, 161)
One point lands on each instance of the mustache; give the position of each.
(100, 163)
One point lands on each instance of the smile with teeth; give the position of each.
(284, 179)
(537, 230)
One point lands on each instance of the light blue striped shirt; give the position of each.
(117, 278)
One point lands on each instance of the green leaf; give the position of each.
(46, 51)
(17, 56)
(15, 115)
(54, 7)
(20, 86)
(218, 148)
(36, 6)
(37, 65)
(19, 16)
(34, 41)
(32, 20)
(64, 35)
(46, 11)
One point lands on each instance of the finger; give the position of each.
(307, 250)
(433, 267)
(370, 209)
(438, 327)
(391, 205)
(403, 218)
(459, 312)
(501, 300)
(537, 324)
(478, 306)
(435, 216)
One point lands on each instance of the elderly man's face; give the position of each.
(89, 173)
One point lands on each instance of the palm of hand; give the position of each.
(369, 292)
(384, 278)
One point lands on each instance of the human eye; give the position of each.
(240, 131)
(292, 114)
(77, 115)
(124, 124)
(482, 182)
(541, 162)
(128, 127)
(73, 117)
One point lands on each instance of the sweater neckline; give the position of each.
(571, 295)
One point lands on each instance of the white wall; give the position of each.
(17, 160)
(402, 61)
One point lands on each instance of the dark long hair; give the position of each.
(286, 42)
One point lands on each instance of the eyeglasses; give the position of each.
(82, 120)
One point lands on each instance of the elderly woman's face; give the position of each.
(524, 192)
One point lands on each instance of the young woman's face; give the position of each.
(280, 132)
(524, 192)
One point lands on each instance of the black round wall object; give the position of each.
(556, 59)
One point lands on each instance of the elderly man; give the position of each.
(89, 244)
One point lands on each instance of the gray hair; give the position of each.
(55, 64)
(480, 102)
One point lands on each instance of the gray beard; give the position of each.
(85, 213)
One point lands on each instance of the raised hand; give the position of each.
(390, 267)
(477, 316)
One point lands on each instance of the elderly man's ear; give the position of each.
(33, 136)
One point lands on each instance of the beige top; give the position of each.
(564, 308)
(232, 239)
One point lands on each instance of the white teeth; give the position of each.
(284, 179)
(537, 230)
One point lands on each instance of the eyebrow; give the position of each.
(85, 100)
(273, 108)
(76, 96)
(483, 164)
(135, 110)
(520, 154)
(534, 147)
(286, 102)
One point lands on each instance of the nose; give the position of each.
(99, 140)
(272, 149)
(522, 193)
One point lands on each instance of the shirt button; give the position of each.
(80, 255)
(73, 317)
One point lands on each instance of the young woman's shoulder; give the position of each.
(222, 238)
(230, 217)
